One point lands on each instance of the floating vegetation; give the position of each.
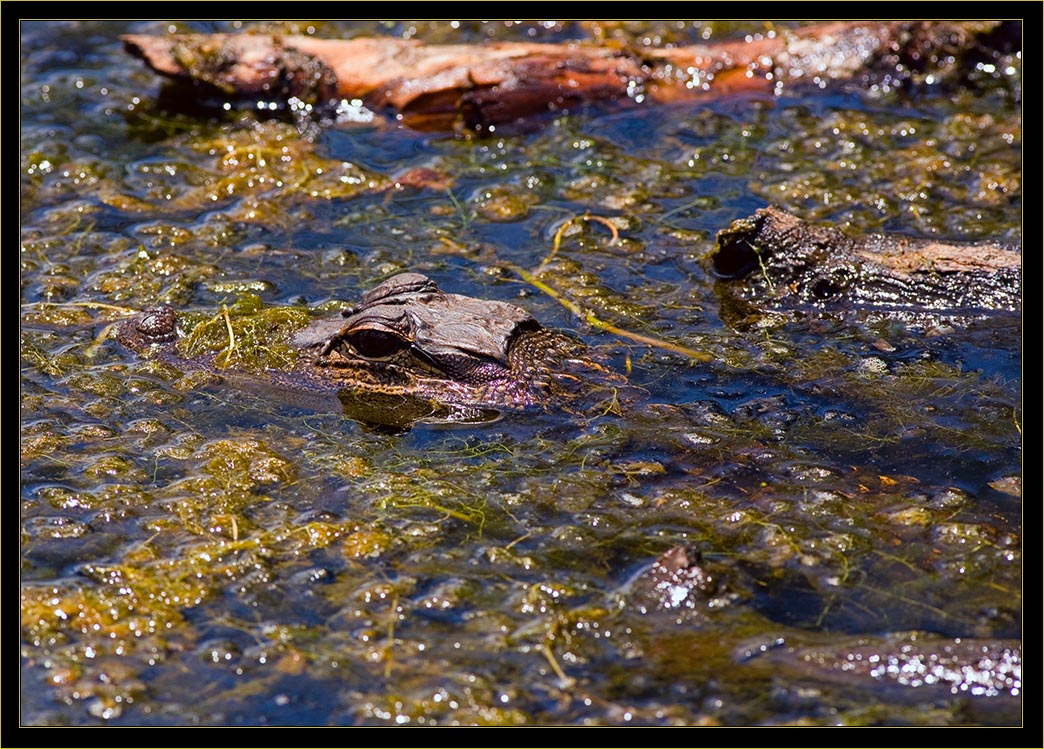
(245, 337)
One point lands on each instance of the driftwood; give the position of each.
(484, 85)
(776, 259)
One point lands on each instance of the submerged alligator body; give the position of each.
(411, 352)
(982, 675)
(912, 667)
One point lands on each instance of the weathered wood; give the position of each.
(483, 85)
(777, 259)
(429, 86)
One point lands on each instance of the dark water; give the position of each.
(197, 553)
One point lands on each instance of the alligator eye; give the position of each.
(376, 344)
(825, 290)
(831, 287)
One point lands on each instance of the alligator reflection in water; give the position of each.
(410, 352)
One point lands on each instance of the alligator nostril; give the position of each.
(158, 326)
(152, 327)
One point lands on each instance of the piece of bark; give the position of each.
(429, 86)
(483, 85)
(775, 259)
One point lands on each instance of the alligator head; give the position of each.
(411, 352)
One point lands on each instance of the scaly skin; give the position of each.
(408, 340)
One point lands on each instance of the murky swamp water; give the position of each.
(194, 552)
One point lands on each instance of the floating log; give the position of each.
(481, 86)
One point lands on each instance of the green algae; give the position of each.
(246, 338)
